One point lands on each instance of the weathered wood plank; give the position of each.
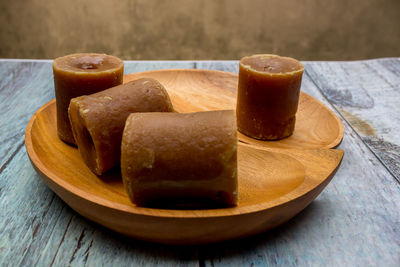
(38, 228)
(353, 222)
(20, 82)
(30, 211)
(367, 94)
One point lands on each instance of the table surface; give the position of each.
(354, 221)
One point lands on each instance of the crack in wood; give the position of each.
(34, 233)
(62, 240)
(87, 252)
(78, 246)
(387, 153)
(54, 225)
(51, 201)
(4, 166)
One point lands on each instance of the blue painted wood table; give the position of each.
(355, 220)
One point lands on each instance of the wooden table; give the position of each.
(355, 220)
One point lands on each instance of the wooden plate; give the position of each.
(273, 187)
(196, 90)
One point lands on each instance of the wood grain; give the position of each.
(354, 221)
(199, 90)
(13, 92)
(273, 187)
(356, 215)
(367, 95)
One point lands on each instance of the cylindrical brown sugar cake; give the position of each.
(98, 120)
(170, 159)
(82, 74)
(268, 96)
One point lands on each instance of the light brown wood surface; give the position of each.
(273, 187)
(199, 90)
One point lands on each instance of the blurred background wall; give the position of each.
(201, 29)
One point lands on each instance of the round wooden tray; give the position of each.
(273, 186)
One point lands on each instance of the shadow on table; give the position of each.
(276, 240)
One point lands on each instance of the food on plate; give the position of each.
(176, 158)
(98, 119)
(82, 74)
(268, 96)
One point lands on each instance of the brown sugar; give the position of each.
(268, 95)
(82, 74)
(98, 120)
(176, 158)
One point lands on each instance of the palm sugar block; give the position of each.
(268, 96)
(82, 74)
(98, 119)
(172, 159)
